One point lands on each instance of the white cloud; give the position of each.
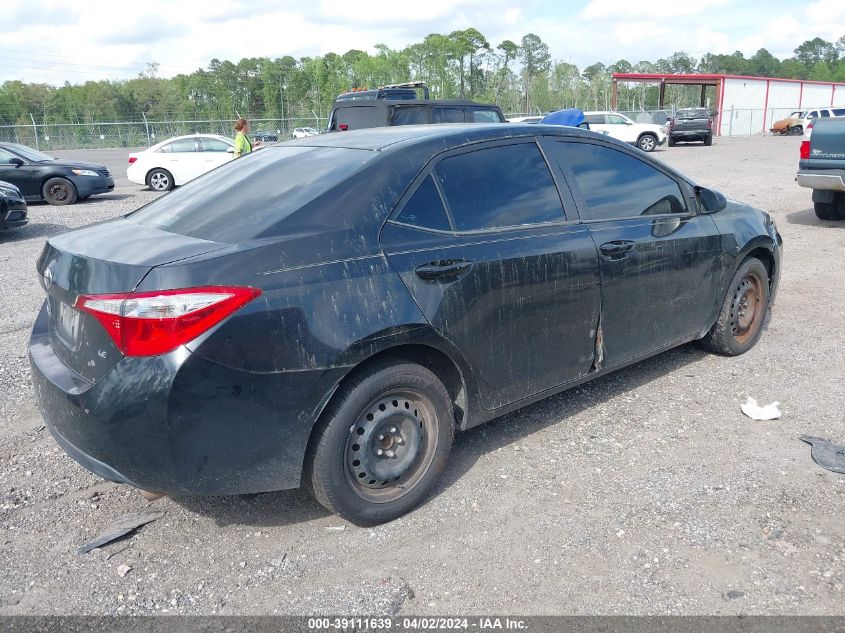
(648, 9)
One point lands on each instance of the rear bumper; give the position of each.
(681, 134)
(178, 423)
(831, 180)
(92, 185)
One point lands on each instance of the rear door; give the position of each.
(182, 158)
(660, 262)
(482, 243)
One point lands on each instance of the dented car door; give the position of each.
(498, 270)
(659, 260)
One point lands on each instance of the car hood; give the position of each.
(74, 164)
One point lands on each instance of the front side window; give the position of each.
(214, 145)
(425, 208)
(496, 187)
(615, 185)
(6, 157)
(616, 119)
(490, 116)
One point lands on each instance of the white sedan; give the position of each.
(179, 160)
(304, 132)
(646, 136)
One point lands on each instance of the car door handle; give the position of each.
(443, 271)
(617, 249)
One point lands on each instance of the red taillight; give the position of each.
(805, 149)
(709, 123)
(152, 323)
(343, 127)
(132, 159)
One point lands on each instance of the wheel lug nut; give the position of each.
(399, 440)
(390, 454)
(379, 452)
(393, 429)
(380, 438)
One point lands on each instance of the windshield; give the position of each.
(243, 198)
(798, 114)
(32, 155)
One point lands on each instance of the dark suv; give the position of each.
(394, 92)
(355, 115)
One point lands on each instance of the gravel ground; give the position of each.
(644, 492)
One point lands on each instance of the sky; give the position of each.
(54, 41)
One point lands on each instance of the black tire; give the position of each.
(797, 130)
(647, 142)
(826, 210)
(708, 140)
(398, 408)
(671, 142)
(736, 330)
(160, 180)
(59, 191)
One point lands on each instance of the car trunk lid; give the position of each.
(108, 258)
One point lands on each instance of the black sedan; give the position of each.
(12, 206)
(369, 294)
(39, 176)
(265, 136)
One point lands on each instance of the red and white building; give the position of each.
(745, 105)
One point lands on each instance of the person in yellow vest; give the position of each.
(242, 143)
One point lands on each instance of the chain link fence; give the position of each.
(133, 134)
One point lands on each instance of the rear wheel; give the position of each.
(381, 444)
(647, 142)
(708, 140)
(671, 142)
(740, 321)
(160, 180)
(796, 130)
(59, 191)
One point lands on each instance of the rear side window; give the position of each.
(839, 112)
(448, 115)
(496, 187)
(181, 145)
(246, 197)
(425, 208)
(615, 185)
(409, 116)
(825, 114)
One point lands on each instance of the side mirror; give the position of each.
(710, 201)
(628, 123)
(17, 162)
(230, 150)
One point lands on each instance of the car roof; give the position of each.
(198, 134)
(451, 134)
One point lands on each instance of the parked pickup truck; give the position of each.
(691, 124)
(822, 167)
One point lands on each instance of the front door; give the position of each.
(22, 176)
(660, 261)
(498, 271)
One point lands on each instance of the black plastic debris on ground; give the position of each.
(826, 454)
(120, 527)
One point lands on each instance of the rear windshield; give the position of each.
(247, 196)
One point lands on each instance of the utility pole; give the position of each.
(147, 125)
(34, 129)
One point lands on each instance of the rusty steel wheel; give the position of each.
(740, 321)
(381, 443)
(747, 309)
